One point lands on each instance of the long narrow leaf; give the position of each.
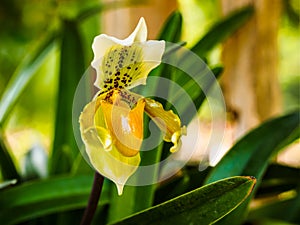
(203, 206)
(12, 93)
(189, 179)
(8, 168)
(171, 31)
(199, 95)
(71, 70)
(7, 184)
(40, 198)
(283, 209)
(251, 155)
(222, 30)
(23, 75)
(278, 179)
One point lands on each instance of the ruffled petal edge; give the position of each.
(167, 121)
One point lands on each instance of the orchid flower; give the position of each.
(111, 125)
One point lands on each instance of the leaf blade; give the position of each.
(222, 30)
(24, 74)
(40, 198)
(8, 168)
(204, 205)
(252, 161)
(72, 67)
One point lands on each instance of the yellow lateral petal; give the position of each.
(168, 122)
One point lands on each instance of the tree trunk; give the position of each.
(250, 57)
(120, 22)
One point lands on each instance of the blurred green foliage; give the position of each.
(52, 41)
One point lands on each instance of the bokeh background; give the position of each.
(45, 48)
(252, 95)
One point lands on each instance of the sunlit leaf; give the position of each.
(24, 73)
(14, 89)
(8, 183)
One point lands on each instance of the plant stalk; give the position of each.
(93, 200)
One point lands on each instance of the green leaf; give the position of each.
(14, 90)
(270, 222)
(189, 179)
(172, 28)
(72, 68)
(253, 153)
(277, 171)
(222, 30)
(24, 73)
(204, 205)
(198, 94)
(286, 209)
(278, 179)
(7, 166)
(8, 183)
(194, 84)
(292, 12)
(35, 199)
(170, 49)
(87, 13)
(122, 206)
(171, 32)
(255, 149)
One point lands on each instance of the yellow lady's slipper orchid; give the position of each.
(111, 125)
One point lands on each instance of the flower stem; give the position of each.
(93, 200)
